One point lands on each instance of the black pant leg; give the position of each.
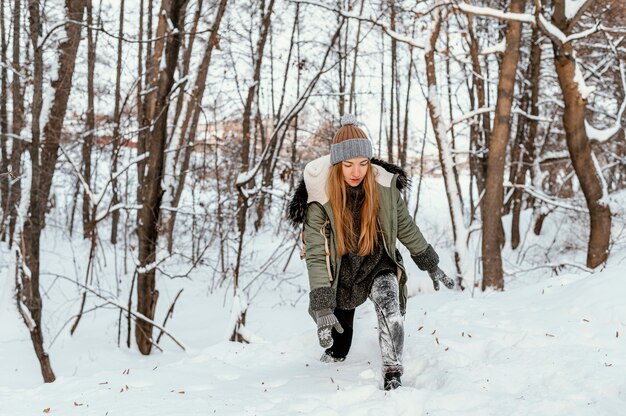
(342, 342)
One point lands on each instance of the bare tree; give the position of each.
(494, 193)
(117, 115)
(192, 117)
(526, 144)
(480, 132)
(242, 200)
(172, 12)
(245, 178)
(184, 73)
(17, 95)
(394, 108)
(4, 122)
(446, 160)
(585, 163)
(275, 146)
(43, 168)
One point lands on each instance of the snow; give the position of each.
(498, 14)
(549, 344)
(579, 79)
(605, 199)
(452, 189)
(572, 7)
(499, 47)
(471, 114)
(603, 135)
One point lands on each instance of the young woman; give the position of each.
(353, 214)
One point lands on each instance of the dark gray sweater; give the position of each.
(358, 272)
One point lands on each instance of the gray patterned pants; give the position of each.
(385, 296)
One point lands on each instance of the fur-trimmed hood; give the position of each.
(312, 187)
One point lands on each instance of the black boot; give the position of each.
(328, 357)
(392, 380)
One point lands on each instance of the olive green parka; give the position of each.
(323, 263)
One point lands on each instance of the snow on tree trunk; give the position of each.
(588, 172)
(445, 157)
(152, 190)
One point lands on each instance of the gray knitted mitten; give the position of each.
(326, 321)
(437, 275)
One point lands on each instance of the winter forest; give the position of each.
(149, 150)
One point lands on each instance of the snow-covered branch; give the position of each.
(245, 177)
(608, 133)
(498, 14)
(10, 68)
(103, 214)
(553, 266)
(499, 47)
(543, 197)
(96, 199)
(471, 114)
(519, 111)
(114, 302)
(554, 33)
(80, 176)
(370, 19)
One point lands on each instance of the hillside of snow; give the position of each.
(552, 343)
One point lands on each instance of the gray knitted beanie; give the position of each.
(349, 141)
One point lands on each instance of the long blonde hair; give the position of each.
(338, 194)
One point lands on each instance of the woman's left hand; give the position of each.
(437, 275)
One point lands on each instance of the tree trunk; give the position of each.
(451, 115)
(585, 165)
(445, 159)
(152, 191)
(4, 122)
(529, 141)
(479, 141)
(405, 128)
(17, 95)
(190, 122)
(352, 103)
(183, 76)
(392, 83)
(494, 192)
(88, 223)
(269, 164)
(141, 141)
(43, 170)
(242, 200)
(382, 96)
(115, 199)
(145, 114)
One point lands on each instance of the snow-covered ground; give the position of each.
(551, 344)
